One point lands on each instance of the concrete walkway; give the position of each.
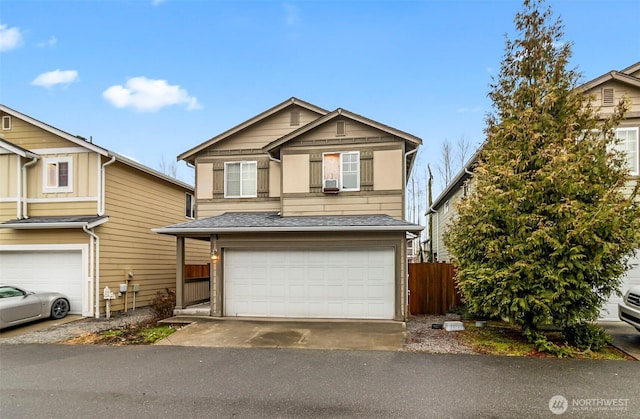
(347, 335)
(625, 337)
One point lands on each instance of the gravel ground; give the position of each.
(420, 336)
(81, 327)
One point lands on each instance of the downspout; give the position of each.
(24, 185)
(18, 188)
(102, 186)
(94, 267)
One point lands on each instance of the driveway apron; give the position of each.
(347, 335)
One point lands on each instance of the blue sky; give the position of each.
(151, 79)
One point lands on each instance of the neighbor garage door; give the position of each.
(310, 283)
(58, 271)
(610, 309)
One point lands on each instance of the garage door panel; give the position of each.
(57, 271)
(349, 283)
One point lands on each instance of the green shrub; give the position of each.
(163, 304)
(587, 336)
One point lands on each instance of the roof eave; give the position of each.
(214, 230)
(55, 225)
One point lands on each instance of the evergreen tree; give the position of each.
(553, 217)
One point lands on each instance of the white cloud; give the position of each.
(51, 78)
(291, 14)
(148, 95)
(156, 2)
(10, 38)
(51, 42)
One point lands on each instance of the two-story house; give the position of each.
(605, 91)
(76, 218)
(303, 209)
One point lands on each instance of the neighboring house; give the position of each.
(304, 210)
(606, 91)
(76, 218)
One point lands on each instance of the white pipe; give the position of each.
(24, 185)
(95, 263)
(19, 188)
(102, 186)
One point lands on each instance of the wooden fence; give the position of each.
(432, 288)
(196, 284)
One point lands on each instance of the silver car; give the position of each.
(19, 306)
(629, 308)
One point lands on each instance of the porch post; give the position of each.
(179, 271)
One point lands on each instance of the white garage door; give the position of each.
(610, 310)
(58, 271)
(310, 283)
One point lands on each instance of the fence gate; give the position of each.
(432, 288)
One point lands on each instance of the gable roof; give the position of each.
(411, 139)
(82, 142)
(188, 155)
(632, 68)
(620, 76)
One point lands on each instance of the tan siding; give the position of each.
(9, 166)
(297, 165)
(8, 211)
(388, 168)
(204, 181)
(275, 179)
(56, 236)
(264, 132)
(31, 137)
(620, 90)
(352, 203)
(136, 203)
(54, 209)
(353, 130)
(84, 177)
(217, 207)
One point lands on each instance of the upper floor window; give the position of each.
(190, 207)
(630, 146)
(341, 171)
(240, 179)
(446, 206)
(57, 174)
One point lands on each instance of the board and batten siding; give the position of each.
(9, 166)
(31, 137)
(262, 133)
(136, 202)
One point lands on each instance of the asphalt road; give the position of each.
(79, 381)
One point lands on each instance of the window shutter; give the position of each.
(607, 96)
(263, 178)
(366, 170)
(218, 179)
(315, 175)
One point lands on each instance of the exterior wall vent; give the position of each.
(6, 123)
(607, 96)
(341, 128)
(295, 117)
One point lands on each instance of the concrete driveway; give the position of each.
(625, 337)
(22, 329)
(251, 333)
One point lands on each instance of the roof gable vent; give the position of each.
(607, 96)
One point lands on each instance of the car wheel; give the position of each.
(59, 308)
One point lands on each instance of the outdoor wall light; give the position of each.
(214, 255)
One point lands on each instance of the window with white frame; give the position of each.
(341, 171)
(241, 179)
(190, 206)
(446, 206)
(57, 174)
(629, 145)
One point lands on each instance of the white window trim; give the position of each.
(192, 210)
(340, 186)
(226, 194)
(6, 123)
(446, 206)
(56, 189)
(637, 131)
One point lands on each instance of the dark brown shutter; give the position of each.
(366, 170)
(218, 179)
(315, 172)
(263, 178)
